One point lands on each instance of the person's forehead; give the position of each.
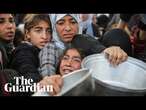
(41, 23)
(6, 16)
(68, 17)
(72, 52)
(84, 15)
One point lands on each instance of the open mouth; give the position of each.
(66, 71)
(10, 34)
(44, 42)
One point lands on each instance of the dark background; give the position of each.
(75, 6)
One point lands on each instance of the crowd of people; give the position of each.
(43, 47)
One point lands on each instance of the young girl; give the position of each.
(38, 31)
(70, 60)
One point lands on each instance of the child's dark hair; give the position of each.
(30, 20)
(81, 52)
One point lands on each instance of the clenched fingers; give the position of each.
(115, 55)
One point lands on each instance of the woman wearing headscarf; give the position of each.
(65, 30)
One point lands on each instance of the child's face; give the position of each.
(7, 27)
(40, 34)
(67, 28)
(70, 62)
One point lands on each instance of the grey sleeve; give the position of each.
(47, 61)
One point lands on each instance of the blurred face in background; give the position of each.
(70, 62)
(84, 17)
(67, 27)
(7, 27)
(94, 19)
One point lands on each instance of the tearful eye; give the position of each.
(11, 20)
(77, 60)
(49, 30)
(73, 21)
(38, 30)
(60, 22)
(2, 21)
(65, 58)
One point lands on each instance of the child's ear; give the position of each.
(27, 34)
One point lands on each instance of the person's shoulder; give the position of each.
(25, 50)
(2, 47)
(51, 44)
(84, 37)
(24, 47)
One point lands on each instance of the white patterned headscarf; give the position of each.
(55, 18)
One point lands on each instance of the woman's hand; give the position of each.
(115, 55)
(55, 80)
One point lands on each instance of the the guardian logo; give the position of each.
(26, 85)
